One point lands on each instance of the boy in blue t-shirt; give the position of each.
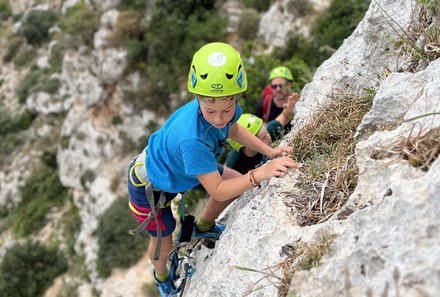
(183, 155)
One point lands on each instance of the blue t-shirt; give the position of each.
(187, 145)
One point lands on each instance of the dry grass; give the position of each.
(297, 257)
(302, 257)
(326, 148)
(420, 150)
(419, 43)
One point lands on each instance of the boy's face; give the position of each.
(218, 112)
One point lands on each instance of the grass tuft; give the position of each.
(326, 146)
(302, 257)
(420, 150)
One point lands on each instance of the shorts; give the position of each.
(165, 218)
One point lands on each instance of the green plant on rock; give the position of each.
(24, 57)
(12, 47)
(35, 26)
(117, 248)
(260, 5)
(338, 22)
(25, 86)
(41, 191)
(81, 23)
(5, 10)
(248, 24)
(187, 26)
(433, 6)
(28, 269)
(51, 86)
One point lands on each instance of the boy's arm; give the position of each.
(224, 189)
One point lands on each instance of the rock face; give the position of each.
(387, 246)
(285, 17)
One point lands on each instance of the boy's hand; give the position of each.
(280, 151)
(278, 167)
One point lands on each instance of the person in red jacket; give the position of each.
(275, 95)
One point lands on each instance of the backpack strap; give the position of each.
(267, 93)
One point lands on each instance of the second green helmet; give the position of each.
(280, 71)
(249, 121)
(217, 71)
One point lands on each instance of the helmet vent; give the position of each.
(204, 76)
(229, 76)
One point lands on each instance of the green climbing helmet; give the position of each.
(217, 71)
(249, 121)
(281, 71)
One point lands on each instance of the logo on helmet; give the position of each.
(217, 59)
(216, 88)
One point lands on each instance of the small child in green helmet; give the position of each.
(242, 158)
(183, 155)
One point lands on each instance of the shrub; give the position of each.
(29, 269)
(56, 56)
(187, 26)
(339, 21)
(260, 5)
(29, 81)
(71, 227)
(24, 57)
(11, 125)
(130, 26)
(13, 46)
(430, 5)
(299, 8)
(5, 10)
(81, 23)
(117, 248)
(36, 25)
(41, 191)
(138, 5)
(248, 25)
(51, 86)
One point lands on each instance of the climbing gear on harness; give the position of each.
(182, 264)
(213, 234)
(141, 173)
(249, 121)
(280, 71)
(217, 70)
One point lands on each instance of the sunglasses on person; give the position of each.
(276, 86)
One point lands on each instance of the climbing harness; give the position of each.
(182, 264)
(141, 173)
